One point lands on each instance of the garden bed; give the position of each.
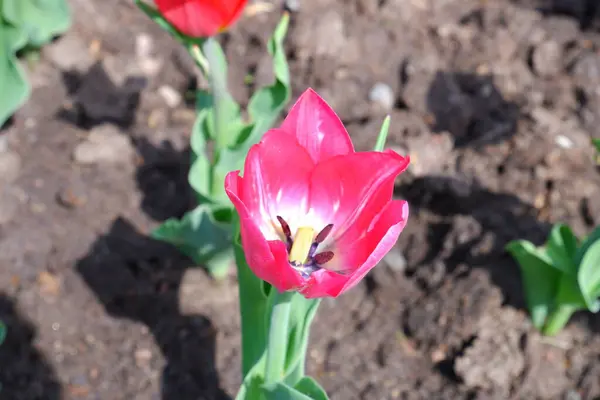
(495, 101)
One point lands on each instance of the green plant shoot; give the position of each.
(560, 277)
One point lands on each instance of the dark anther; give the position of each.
(286, 228)
(323, 257)
(287, 232)
(324, 233)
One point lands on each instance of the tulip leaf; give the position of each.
(252, 385)
(587, 242)
(306, 389)
(202, 236)
(264, 106)
(561, 248)
(383, 134)
(13, 83)
(568, 293)
(281, 391)
(40, 20)
(311, 388)
(540, 279)
(588, 276)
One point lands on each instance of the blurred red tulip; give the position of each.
(315, 215)
(201, 18)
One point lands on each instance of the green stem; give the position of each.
(218, 85)
(201, 61)
(557, 320)
(278, 336)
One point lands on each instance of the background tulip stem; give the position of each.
(278, 336)
(217, 78)
(201, 61)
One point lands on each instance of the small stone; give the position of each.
(69, 53)
(563, 141)
(148, 64)
(547, 59)
(171, 96)
(94, 373)
(292, 5)
(395, 260)
(72, 195)
(10, 166)
(143, 45)
(9, 205)
(572, 395)
(142, 356)
(49, 283)
(104, 145)
(382, 95)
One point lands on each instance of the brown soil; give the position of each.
(494, 100)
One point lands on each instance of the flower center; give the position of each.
(303, 246)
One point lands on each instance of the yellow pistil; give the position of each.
(302, 242)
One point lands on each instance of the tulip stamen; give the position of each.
(303, 246)
(320, 239)
(287, 232)
(323, 258)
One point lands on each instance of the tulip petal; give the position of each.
(276, 176)
(267, 259)
(200, 18)
(366, 252)
(317, 127)
(349, 191)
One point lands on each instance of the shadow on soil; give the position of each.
(586, 12)
(97, 98)
(24, 372)
(163, 180)
(138, 278)
(474, 227)
(471, 108)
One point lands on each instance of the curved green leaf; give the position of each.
(202, 237)
(311, 388)
(562, 247)
(13, 84)
(40, 20)
(264, 107)
(588, 276)
(540, 279)
(587, 242)
(383, 134)
(281, 391)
